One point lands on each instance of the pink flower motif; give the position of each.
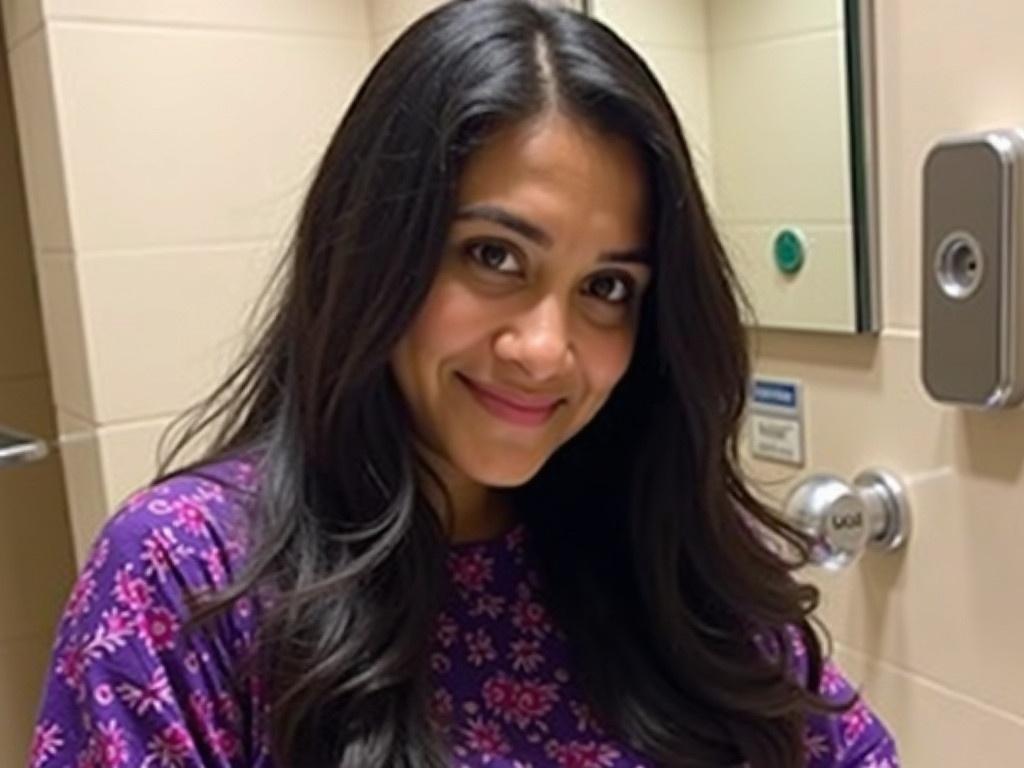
(525, 655)
(440, 663)
(161, 552)
(72, 663)
(480, 647)
(81, 595)
(228, 708)
(816, 745)
(519, 701)
(447, 630)
(153, 695)
(580, 754)
(213, 559)
(533, 700)
(111, 746)
(855, 721)
(472, 570)
(499, 692)
(133, 592)
(529, 616)
(191, 517)
(158, 628)
(485, 737)
(171, 748)
(46, 742)
(832, 681)
(225, 743)
(486, 604)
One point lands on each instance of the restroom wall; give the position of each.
(935, 634)
(36, 565)
(166, 147)
(673, 37)
(779, 122)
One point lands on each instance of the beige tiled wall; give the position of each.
(36, 565)
(672, 36)
(935, 634)
(779, 128)
(168, 147)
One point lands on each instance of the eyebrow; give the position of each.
(532, 232)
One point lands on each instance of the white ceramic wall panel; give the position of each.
(185, 137)
(937, 726)
(333, 18)
(738, 22)
(676, 23)
(164, 326)
(943, 610)
(39, 139)
(66, 334)
(779, 118)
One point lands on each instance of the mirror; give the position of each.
(776, 101)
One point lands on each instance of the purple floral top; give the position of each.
(129, 687)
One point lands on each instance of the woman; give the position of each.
(473, 499)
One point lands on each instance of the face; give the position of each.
(531, 319)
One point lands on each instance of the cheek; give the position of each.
(606, 361)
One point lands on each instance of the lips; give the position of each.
(514, 407)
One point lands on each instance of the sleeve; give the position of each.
(129, 683)
(855, 738)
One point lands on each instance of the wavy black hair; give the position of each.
(651, 545)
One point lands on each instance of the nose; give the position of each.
(538, 340)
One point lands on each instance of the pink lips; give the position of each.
(516, 408)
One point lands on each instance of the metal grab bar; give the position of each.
(19, 448)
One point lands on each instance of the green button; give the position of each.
(789, 251)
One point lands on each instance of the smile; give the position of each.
(519, 409)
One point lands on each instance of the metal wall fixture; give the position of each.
(846, 519)
(19, 448)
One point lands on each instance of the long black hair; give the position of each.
(652, 548)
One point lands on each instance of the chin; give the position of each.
(503, 473)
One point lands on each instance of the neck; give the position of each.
(471, 511)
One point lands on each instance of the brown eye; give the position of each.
(612, 288)
(493, 256)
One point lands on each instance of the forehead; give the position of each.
(563, 173)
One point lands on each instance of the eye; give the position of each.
(494, 256)
(615, 289)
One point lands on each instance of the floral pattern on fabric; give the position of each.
(129, 685)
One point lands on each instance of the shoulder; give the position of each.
(195, 520)
(178, 538)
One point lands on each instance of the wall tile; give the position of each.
(819, 297)
(65, 327)
(944, 69)
(677, 23)
(232, 158)
(964, 474)
(88, 503)
(40, 143)
(922, 714)
(780, 137)
(338, 18)
(164, 326)
(737, 22)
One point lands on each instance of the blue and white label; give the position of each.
(776, 420)
(775, 395)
